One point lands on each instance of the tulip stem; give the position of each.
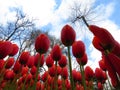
(108, 81)
(55, 83)
(38, 65)
(83, 77)
(70, 68)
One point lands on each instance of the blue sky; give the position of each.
(52, 15)
(116, 13)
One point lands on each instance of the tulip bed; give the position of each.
(24, 73)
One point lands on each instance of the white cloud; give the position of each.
(39, 9)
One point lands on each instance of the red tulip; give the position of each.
(78, 49)
(100, 86)
(116, 49)
(2, 63)
(63, 61)
(9, 75)
(15, 50)
(59, 70)
(56, 53)
(115, 62)
(99, 74)
(74, 74)
(42, 43)
(97, 44)
(68, 35)
(5, 48)
(52, 71)
(59, 81)
(79, 77)
(64, 73)
(33, 70)
(67, 84)
(9, 63)
(111, 69)
(49, 61)
(24, 57)
(44, 76)
(38, 86)
(24, 70)
(102, 65)
(28, 78)
(89, 74)
(107, 40)
(37, 58)
(17, 67)
(83, 60)
(30, 62)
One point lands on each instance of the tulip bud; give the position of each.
(33, 70)
(9, 63)
(2, 63)
(30, 61)
(99, 74)
(9, 75)
(5, 48)
(24, 57)
(63, 61)
(83, 60)
(17, 67)
(15, 50)
(49, 61)
(37, 58)
(102, 65)
(44, 76)
(97, 44)
(68, 35)
(52, 71)
(89, 74)
(107, 40)
(78, 49)
(64, 73)
(56, 53)
(42, 43)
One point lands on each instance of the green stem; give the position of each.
(63, 82)
(70, 68)
(55, 83)
(83, 77)
(108, 81)
(34, 86)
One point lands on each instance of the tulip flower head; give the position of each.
(68, 35)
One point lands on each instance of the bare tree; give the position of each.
(18, 30)
(83, 14)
